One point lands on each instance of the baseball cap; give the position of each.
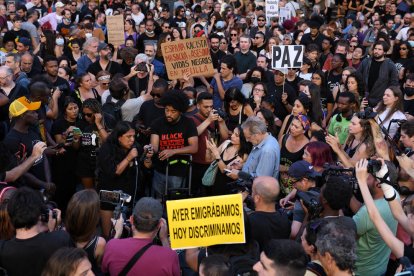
(21, 105)
(59, 5)
(25, 41)
(102, 46)
(148, 209)
(301, 169)
(282, 70)
(351, 16)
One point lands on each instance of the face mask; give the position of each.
(149, 33)
(191, 102)
(409, 91)
(203, 23)
(243, 26)
(68, 20)
(60, 41)
(187, 13)
(88, 35)
(255, 80)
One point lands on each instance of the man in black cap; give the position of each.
(302, 176)
(314, 36)
(104, 62)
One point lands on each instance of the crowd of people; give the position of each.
(96, 137)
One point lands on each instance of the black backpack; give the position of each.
(242, 265)
(112, 112)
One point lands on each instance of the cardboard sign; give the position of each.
(272, 9)
(187, 56)
(115, 25)
(284, 14)
(206, 221)
(288, 56)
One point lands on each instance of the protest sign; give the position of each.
(272, 9)
(115, 24)
(288, 56)
(206, 221)
(187, 56)
(284, 14)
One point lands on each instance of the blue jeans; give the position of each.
(159, 181)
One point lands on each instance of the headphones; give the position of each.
(339, 117)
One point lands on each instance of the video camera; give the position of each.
(118, 198)
(243, 184)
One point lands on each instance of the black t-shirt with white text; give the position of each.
(172, 136)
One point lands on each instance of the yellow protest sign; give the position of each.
(187, 56)
(206, 221)
(115, 24)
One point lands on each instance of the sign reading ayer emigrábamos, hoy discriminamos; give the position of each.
(206, 221)
(289, 56)
(188, 56)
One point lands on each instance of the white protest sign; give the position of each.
(272, 9)
(284, 14)
(287, 56)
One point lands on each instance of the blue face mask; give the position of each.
(60, 41)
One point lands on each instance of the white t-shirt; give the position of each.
(393, 128)
(129, 109)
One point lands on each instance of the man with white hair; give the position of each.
(90, 48)
(9, 87)
(141, 77)
(159, 67)
(136, 14)
(264, 158)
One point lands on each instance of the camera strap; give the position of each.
(134, 259)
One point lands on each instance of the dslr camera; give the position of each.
(311, 201)
(221, 113)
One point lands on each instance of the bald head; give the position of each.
(267, 188)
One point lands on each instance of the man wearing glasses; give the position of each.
(261, 27)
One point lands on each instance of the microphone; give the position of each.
(135, 159)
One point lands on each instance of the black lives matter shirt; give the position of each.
(172, 136)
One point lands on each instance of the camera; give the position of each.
(141, 67)
(44, 215)
(311, 201)
(114, 197)
(368, 113)
(374, 166)
(221, 113)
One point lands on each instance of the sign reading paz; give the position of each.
(289, 56)
(206, 221)
(115, 26)
(187, 56)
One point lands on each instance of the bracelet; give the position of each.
(127, 159)
(391, 198)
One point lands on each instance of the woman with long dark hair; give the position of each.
(236, 107)
(94, 134)
(231, 152)
(391, 108)
(81, 223)
(268, 118)
(327, 99)
(47, 44)
(117, 168)
(84, 89)
(259, 92)
(130, 30)
(401, 55)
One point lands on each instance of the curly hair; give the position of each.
(360, 82)
(175, 98)
(366, 136)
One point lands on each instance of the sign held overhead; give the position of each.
(206, 221)
(287, 56)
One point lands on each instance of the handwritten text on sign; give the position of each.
(206, 221)
(116, 35)
(187, 56)
(289, 56)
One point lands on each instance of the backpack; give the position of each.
(242, 265)
(112, 112)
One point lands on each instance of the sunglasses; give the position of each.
(261, 20)
(257, 37)
(403, 49)
(88, 115)
(157, 95)
(105, 83)
(233, 34)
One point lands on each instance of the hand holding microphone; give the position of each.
(132, 155)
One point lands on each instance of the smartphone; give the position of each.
(77, 130)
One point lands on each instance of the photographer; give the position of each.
(118, 168)
(209, 126)
(146, 222)
(376, 194)
(302, 176)
(28, 252)
(406, 175)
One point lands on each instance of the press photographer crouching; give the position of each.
(137, 254)
(118, 168)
